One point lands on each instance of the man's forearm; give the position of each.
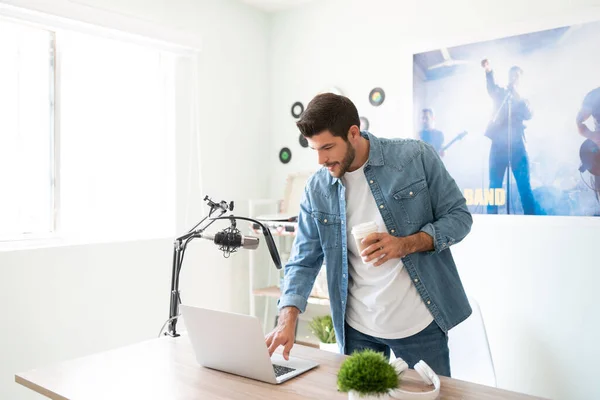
(288, 315)
(583, 115)
(420, 242)
(587, 132)
(490, 83)
(452, 217)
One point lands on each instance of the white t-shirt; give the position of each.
(382, 301)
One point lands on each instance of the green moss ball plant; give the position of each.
(366, 374)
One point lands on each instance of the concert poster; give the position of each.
(529, 104)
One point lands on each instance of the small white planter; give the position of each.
(352, 395)
(332, 347)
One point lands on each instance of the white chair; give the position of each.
(470, 356)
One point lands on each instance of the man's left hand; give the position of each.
(382, 247)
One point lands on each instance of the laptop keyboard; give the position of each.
(281, 370)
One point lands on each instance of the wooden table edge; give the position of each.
(37, 388)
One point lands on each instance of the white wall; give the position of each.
(59, 303)
(535, 277)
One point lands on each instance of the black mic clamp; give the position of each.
(223, 205)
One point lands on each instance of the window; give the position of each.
(26, 130)
(100, 163)
(116, 145)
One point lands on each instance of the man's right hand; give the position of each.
(486, 65)
(284, 333)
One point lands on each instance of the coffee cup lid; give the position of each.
(370, 226)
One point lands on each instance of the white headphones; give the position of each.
(427, 375)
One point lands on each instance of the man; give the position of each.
(505, 100)
(429, 134)
(402, 292)
(590, 108)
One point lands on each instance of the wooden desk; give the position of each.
(166, 368)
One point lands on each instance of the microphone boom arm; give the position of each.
(180, 245)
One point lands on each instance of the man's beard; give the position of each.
(347, 161)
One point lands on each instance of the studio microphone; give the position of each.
(229, 241)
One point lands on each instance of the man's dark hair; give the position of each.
(427, 110)
(330, 112)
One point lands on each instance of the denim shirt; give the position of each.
(414, 192)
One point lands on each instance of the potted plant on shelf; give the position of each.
(367, 375)
(322, 328)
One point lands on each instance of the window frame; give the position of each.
(77, 18)
(54, 146)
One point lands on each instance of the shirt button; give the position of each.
(370, 181)
(344, 275)
(411, 193)
(393, 231)
(428, 302)
(416, 280)
(325, 220)
(381, 206)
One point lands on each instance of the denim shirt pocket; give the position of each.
(329, 227)
(414, 204)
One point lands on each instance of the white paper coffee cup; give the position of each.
(361, 231)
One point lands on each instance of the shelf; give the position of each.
(309, 344)
(271, 291)
(277, 228)
(274, 291)
(304, 336)
(274, 232)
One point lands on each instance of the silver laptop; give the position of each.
(235, 343)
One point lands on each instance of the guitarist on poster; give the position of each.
(590, 150)
(433, 136)
(508, 137)
(429, 134)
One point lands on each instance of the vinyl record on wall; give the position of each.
(302, 140)
(285, 155)
(376, 97)
(297, 109)
(364, 124)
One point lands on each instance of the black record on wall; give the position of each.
(302, 140)
(285, 155)
(297, 109)
(377, 96)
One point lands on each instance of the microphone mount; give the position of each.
(223, 205)
(230, 232)
(180, 245)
